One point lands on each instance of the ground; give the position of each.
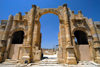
(48, 61)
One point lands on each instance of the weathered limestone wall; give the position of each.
(97, 27)
(30, 49)
(2, 28)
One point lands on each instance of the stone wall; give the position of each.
(31, 47)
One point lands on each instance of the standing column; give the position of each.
(35, 35)
(62, 49)
(74, 44)
(14, 24)
(35, 45)
(5, 34)
(27, 47)
(90, 41)
(96, 44)
(68, 37)
(8, 27)
(93, 31)
(8, 47)
(70, 49)
(30, 25)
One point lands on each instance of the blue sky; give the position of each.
(50, 22)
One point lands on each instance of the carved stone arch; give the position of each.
(45, 11)
(17, 29)
(81, 29)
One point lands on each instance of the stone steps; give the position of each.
(11, 61)
(89, 63)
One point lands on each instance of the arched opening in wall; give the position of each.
(49, 29)
(16, 46)
(18, 37)
(82, 47)
(81, 37)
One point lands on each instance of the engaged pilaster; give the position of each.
(8, 27)
(68, 37)
(30, 25)
(69, 48)
(27, 47)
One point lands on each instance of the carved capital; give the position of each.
(10, 36)
(65, 5)
(61, 21)
(3, 42)
(36, 21)
(26, 12)
(19, 13)
(80, 12)
(10, 17)
(33, 6)
(97, 44)
(72, 12)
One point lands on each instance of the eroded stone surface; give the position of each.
(72, 26)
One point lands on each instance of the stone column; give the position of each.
(27, 47)
(8, 27)
(97, 59)
(8, 47)
(90, 41)
(66, 21)
(75, 49)
(30, 25)
(35, 40)
(93, 31)
(14, 24)
(62, 49)
(6, 33)
(70, 49)
(96, 41)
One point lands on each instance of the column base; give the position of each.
(71, 59)
(37, 55)
(97, 60)
(25, 59)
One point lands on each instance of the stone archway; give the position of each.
(15, 52)
(69, 23)
(37, 34)
(65, 47)
(81, 37)
(82, 47)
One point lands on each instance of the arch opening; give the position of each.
(18, 37)
(81, 37)
(55, 12)
(49, 30)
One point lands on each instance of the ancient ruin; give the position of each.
(20, 37)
